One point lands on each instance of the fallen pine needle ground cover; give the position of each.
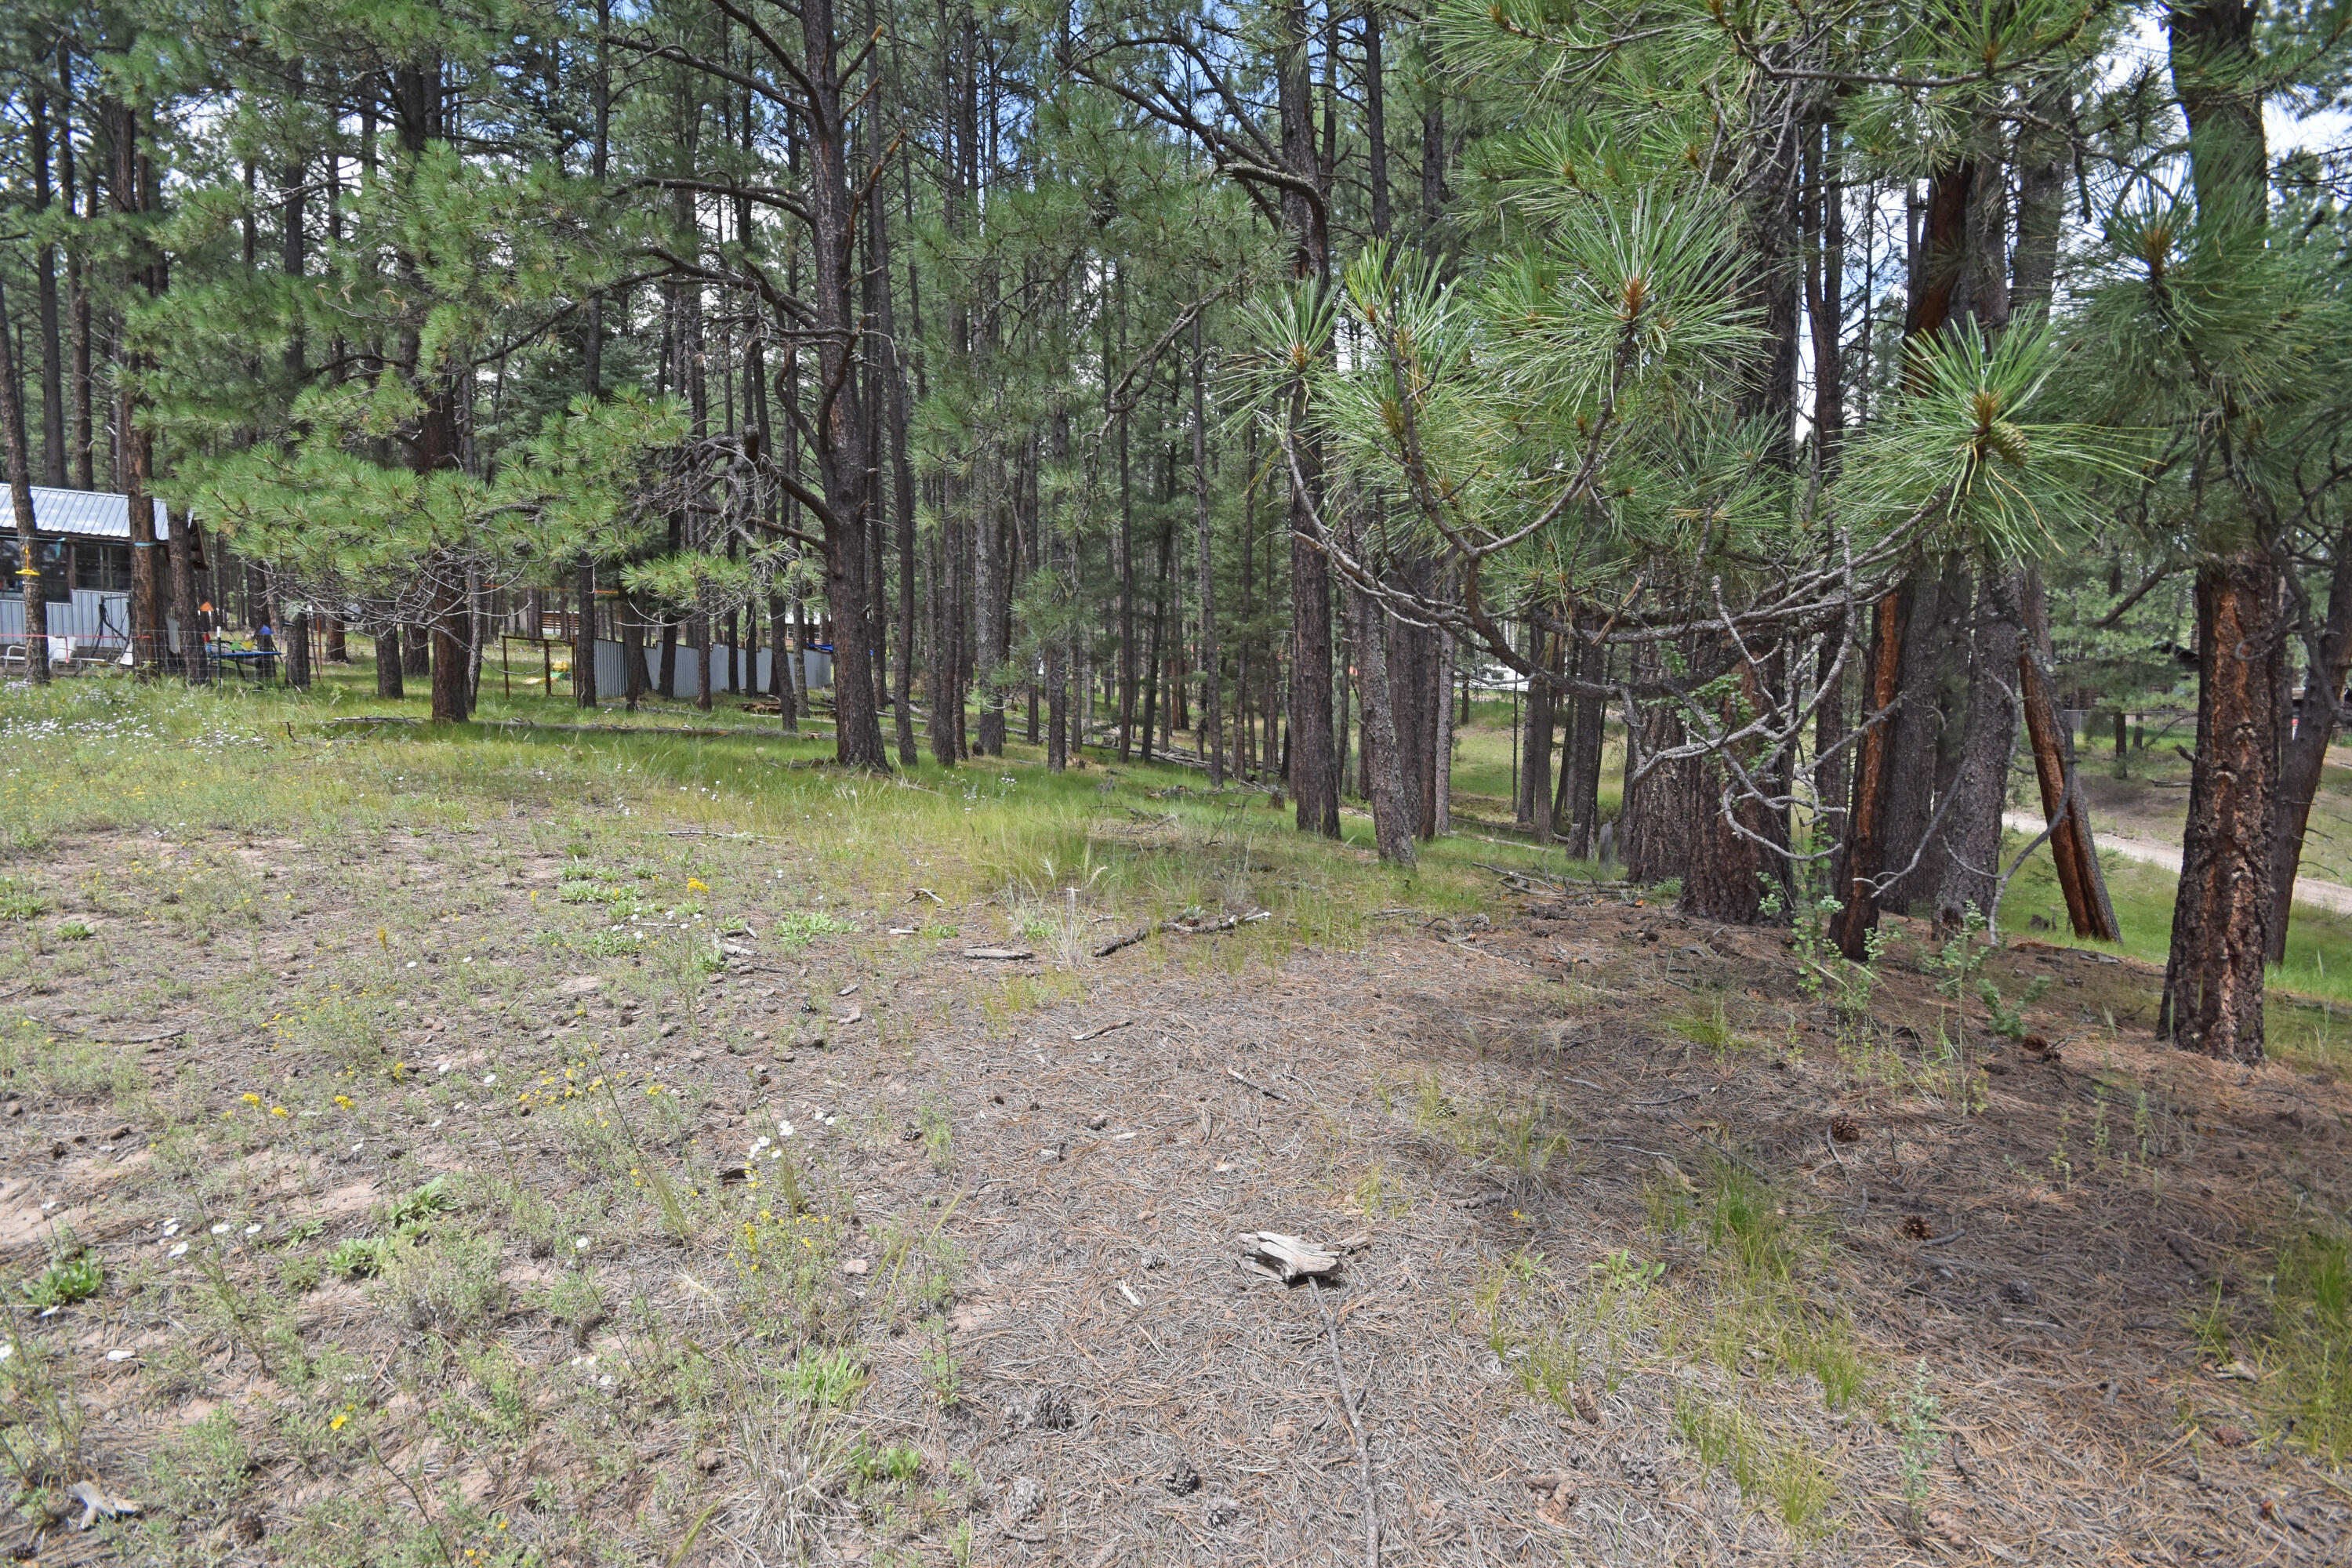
(524, 1146)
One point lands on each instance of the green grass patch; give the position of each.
(2310, 1349)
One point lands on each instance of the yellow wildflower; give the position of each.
(279, 1110)
(251, 1098)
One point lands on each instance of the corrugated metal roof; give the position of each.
(91, 514)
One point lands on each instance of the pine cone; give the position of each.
(1845, 1129)
(1916, 1227)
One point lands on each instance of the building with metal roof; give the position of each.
(88, 514)
(82, 547)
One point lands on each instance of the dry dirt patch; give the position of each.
(1643, 1249)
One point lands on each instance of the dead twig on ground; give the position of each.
(1355, 1429)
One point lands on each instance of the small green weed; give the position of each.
(897, 1462)
(359, 1256)
(422, 1205)
(939, 1136)
(831, 1379)
(17, 902)
(1709, 1027)
(795, 929)
(66, 1281)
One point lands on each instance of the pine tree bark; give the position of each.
(1863, 859)
(584, 639)
(1964, 861)
(2072, 851)
(1441, 812)
(2220, 925)
(1535, 759)
(45, 281)
(1393, 816)
(2305, 760)
(1211, 732)
(1581, 773)
(1725, 874)
(1661, 805)
(1314, 770)
(77, 282)
(388, 682)
(179, 558)
(1872, 853)
(2224, 911)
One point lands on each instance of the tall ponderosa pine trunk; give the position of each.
(180, 557)
(1314, 769)
(2305, 754)
(20, 500)
(1966, 865)
(1730, 858)
(45, 282)
(2088, 908)
(1211, 732)
(2222, 913)
(1580, 776)
(1535, 761)
(434, 445)
(387, 662)
(136, 442)
(1889, 756)
(1394, 814)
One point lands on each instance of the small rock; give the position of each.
(1023, 1498)
(1096, 1122)
(1219, 1512)
(1048, 1157)
(2018, 1293)
(667, 1030)
(709, 1460)
(694, 1056)
(1181, 1480)
(120, 1134)
(2230, 1436)
(247, 1527)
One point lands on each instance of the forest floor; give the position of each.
(556, 1147)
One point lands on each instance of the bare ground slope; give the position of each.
(1648, 1256)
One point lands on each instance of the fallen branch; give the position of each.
(1355, 1429)
(1235, 1074)
(1178, 928)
